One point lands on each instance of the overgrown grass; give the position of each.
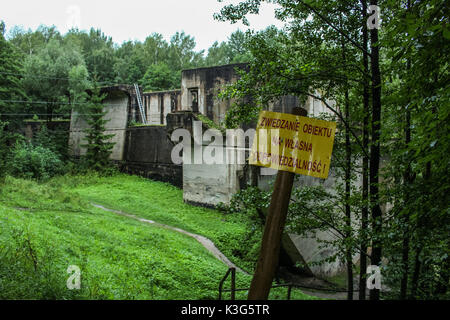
(235, 235)
(46, 227)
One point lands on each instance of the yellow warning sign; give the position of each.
(293, 143)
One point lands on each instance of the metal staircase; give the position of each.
(141, 107)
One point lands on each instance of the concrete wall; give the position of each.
(210, 184)
(117, 114)
(309, 246)
(316, 107)
(159, 104)
(117, 104)
(208, 82)
(148, 154)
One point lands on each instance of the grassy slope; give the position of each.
(119, 258)
(150, 199)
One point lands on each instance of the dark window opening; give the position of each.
(194, 99)
(173, 104)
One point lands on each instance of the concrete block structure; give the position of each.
(158, 105)
(118, 103)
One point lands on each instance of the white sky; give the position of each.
(133, 19)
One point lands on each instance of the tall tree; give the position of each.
(97, 50)
(160, 77)
(181, 52)
(30, 42)
(416, 40)
(365, 160)
(300, 70)
(99, 145)
(235, 50)
(10, 82)
(47, 77)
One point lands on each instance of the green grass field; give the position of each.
(163, 203)
(46, 227)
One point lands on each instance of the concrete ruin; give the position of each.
(145, 150)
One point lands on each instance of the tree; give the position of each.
(418, 49)
(181, 52)
(406, 125)
(98, 145)
(30, 42)
(278, 70)
(97, 50)
(6, 140)
(155, 49)
(10, 83)
(136, 60)
(130, 66)
(218, 54)
(234, 50)
(286, 65)
(47, 77)
(159, 77)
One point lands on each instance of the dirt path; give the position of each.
(205, 242)
(209, 245)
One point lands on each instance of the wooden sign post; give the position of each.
(288, 162)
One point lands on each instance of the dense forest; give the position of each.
(390, 79)
(391, 85)
(53, 70)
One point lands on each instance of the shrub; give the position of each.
(3, 148)
(7, 139)
(55, 140)
(35, 162)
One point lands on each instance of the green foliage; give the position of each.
(10, 82)
(235, 50)
(44, 228)
(98, 145)
(34, 162)
(44, 139)
(97, 50)
(159, 77)
(55, 140)
(181, 53)
(209, 123)
(54, 74)
(249, 205)
(271, 75)
(5, 141)
(30, 42)
(323, 48)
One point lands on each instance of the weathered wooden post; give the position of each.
(273, 230)
(289, 143)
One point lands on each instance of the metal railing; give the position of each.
(231, 271)
(290, 286)
(233, 289)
